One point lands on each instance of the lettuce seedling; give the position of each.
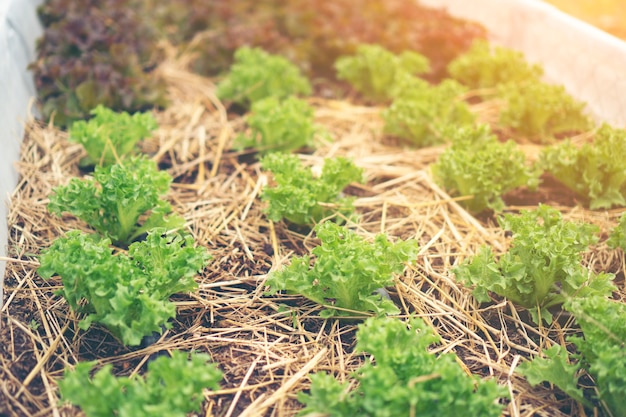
(374, 71)
(117, 200)
(108, 137)
(172, 386)
(601, 354)
(543, 265)
(302, 198)
(423, 115)
(595, 171)
(541, 111)
(484, 66)
(128, 293)
(479, 165)
(346, 272)
(602, 346)
(402, 379)
(256, 75)
(278, 126)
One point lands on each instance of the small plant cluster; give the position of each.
(537, 110)
(477, 164)
(542, 268)
(126, 287)
(279, 120)
(402, 378)
(304, 199)
(95, 52)
(346, 273)
(172, 386)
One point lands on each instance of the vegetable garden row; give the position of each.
(398, 231)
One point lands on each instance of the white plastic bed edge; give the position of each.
(19, 29)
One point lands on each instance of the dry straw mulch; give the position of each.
(266, 350)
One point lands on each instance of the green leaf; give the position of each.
(346, 272)
(256, 75)
(301, 197)
(117, 197)
(375, 71)
(129, 294)
(172, 386)
(109, 136)
(556, 369)
(479, 165)
(402, 379)
(543, 265)
(595, 171)
(278, 126)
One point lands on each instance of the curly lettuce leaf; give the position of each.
(479, 165)
(595, 171)
(374, 71)
(346, 272)
(108, 136)
(301, 197)
(172, 386)
(403, 379)
(121, 202)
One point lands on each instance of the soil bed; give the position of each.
(266, 346)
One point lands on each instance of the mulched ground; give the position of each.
(266, 346)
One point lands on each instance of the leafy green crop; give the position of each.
(301, 197)
(543, 265)
(541, 111)
(171, 387)
(117, 198)
(423, 115)
(126, 293)
(346, 272)
(109, 136)
(478, 164)
(374, 71)
(403, 379)
(602, 346)
(256, 75)
(601, 350)
(555, 368)
(278, 126)
(484, 66)
(595, 171)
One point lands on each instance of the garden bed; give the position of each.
(267, 346)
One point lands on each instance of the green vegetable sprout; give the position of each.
(424, 115)
(374, 71)
(542, 111)
(108, 137)
(171, 387)
(595, 171)
(302, 198)
(117, 198)
(278, 126)
(129, 294)
(617, 236)
(485, 66)
(346, 272)
(402, 379)
(256, 75)
(479, 165)
(543, 265)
